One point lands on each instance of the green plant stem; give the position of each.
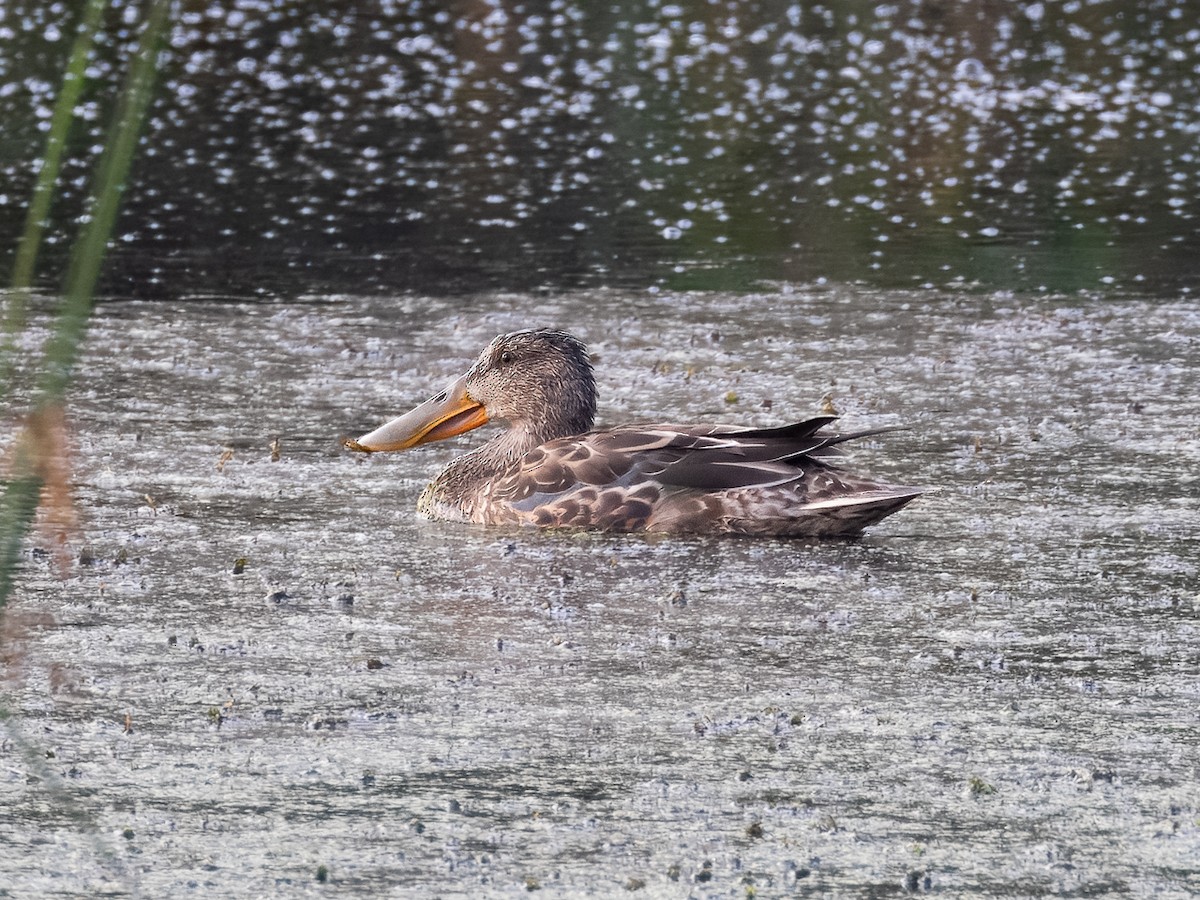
(22, 492)
(43, 192)
(56, 139)
(35, 760)
(62, 350)
(21, 496)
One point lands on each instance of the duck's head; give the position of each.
(538, 381)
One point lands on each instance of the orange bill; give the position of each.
(451, 412)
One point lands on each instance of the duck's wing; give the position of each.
(727, 458)
(702, 458)
(694, 478)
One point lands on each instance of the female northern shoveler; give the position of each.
(549, 469)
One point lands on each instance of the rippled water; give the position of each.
(263, 676)
(1036, 146)
(993, 693)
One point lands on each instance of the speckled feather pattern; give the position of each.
(672, 478)
(549, 469)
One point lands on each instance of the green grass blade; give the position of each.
(56, 139)
(16, 516)
(23, 488)
(62, 349)
(28, 455)
(44, 189)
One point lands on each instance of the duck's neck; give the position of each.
(459, 487)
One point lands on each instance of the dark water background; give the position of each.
(977, 220)
(996, 690)
(465, 146)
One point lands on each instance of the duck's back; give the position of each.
(690, 479)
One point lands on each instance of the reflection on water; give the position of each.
(691, 144)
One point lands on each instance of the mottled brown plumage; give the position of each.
(550, 470)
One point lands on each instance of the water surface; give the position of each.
(992, 693)
(975, 220)
(457, 148)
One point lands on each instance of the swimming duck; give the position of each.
(550, 469)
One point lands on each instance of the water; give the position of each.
(974, 220)
(992, 693)
(1045, 147)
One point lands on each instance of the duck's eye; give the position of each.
(506, 356)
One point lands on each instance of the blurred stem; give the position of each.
(43, 193)
(60, 124)
(42, 436)
(89, 251)
(35, 760)
(30, 456)
(21, 496)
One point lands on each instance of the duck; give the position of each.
(551, 469)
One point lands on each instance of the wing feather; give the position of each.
(668, 477)
(702, 458)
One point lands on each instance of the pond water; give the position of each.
(700, 144)
(258, 675)
(994, 692)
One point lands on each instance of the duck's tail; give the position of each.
(852, 513)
